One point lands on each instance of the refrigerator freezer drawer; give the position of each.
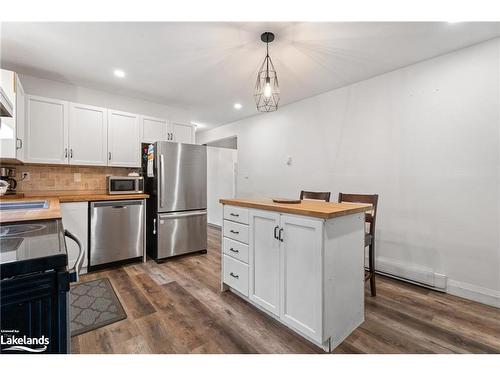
(181, 233)
(116, 231)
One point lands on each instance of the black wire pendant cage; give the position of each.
(267, 90)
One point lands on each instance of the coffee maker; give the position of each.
(8, 174)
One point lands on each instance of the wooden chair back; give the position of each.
(370, 217)
(318, 195)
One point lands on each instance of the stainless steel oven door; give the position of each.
(181, 232)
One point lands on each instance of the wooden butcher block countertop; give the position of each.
(53, 211)
(54, 198)
(65, 196)
(319, 209)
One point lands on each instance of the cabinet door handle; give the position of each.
(276, 234)
(19, 142)
(71, 153)
(109, 155)
(234, 275)
(65, 153)
(236, 215)
(234, 251)
(279, 235)
(234, 232)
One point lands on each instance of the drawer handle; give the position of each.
(237, 215)
(234, 232)
(234, 275)
(234, 251)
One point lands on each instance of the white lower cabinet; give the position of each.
(236, 274)
(264, 260)
(75, 220)
(301, 280)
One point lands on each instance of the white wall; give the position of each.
(424, 137)
(220, 180)
(63, 91)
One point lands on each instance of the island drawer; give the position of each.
(238, 232)
(236, 249)
(237, 214)
(236, 275)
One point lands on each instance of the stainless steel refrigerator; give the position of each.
(176, 211)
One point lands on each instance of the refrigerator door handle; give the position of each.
(172, 215)
(162, 179)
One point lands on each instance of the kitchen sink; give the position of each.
(33, 205)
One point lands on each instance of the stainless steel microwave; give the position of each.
(125, 185)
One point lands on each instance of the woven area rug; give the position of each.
(94, 304)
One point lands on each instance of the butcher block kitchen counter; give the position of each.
(319, 209)
(65, 196)
(53, 211)
(54, 198)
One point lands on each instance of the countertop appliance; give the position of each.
(176, 212)
(35, 286)
(7, 175)
(116, 232)
(125, 184)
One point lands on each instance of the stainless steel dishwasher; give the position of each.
(116, 232)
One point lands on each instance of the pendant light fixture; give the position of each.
(267, 90)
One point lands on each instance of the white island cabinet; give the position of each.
(302, 264)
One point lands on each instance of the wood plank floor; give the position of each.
(176, 307)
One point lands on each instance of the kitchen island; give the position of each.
(302, 264)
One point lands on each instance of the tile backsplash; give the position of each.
(71, 178)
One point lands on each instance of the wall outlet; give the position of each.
(25, 176)
(77, 177)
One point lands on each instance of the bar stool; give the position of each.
(318, 195)
(370, 235)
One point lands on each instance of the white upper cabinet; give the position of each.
(301, 274)
(124, 149)
(154, 129)
(88, 135)
(12, 128)
(46, 130)
(264, 245)
(181, 133)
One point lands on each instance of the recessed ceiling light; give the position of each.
(119, 73)
(237, 106)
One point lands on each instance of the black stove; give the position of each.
(31, 246)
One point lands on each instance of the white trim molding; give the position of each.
(475, 293)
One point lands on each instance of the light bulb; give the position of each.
(267, 90)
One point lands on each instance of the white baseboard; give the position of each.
(475, 293)
(420, 275)
(428, 278)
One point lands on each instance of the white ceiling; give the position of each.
(207, 67)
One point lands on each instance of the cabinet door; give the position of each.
(20, 119)
(124, 146)
(75, 219)
(88, 135)
(264, 279)
(8, 124)
(182, 133)
(154, 129)
(47, 130)
(301, 274)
